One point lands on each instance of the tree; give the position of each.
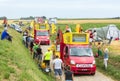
(2, 18)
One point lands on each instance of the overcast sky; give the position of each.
(60, 8)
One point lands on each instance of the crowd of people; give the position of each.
(44, 59)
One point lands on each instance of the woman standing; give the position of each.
(106, 51)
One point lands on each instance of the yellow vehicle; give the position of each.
(75, 52)
(76, 38)
(40, 33)
(39, 26)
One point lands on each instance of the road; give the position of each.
(97, 77)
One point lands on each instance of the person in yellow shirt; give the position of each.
(47, 57)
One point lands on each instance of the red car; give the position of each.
(42, 36)
(80, 58)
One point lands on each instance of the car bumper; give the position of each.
(78, 70)
(43, 42)
(47, 42)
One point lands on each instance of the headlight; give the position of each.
(93, 62)
(72, 62)
(37, 38)
(48, 38)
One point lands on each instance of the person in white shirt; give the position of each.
(57, 66)
(94, 36)
(68, 29)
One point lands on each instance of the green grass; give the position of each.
(16, 63)
(113, 69)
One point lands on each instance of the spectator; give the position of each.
(25, 33)
(106, 51)
(68, 28)
(94, 36)
(47, 58)
(34, 51)
(31, 46)
(91, 37)
(28, 38)
(99, 49)
(39, 53)
(57, 66)
(5, 35)
(68, 74)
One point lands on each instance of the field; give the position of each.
(15, 21)
(88, 21)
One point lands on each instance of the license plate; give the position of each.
(83, 65)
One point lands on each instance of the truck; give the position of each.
(75, 52)
(52, 20)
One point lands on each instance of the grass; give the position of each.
(16, 63)
(113, 69)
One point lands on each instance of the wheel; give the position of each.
(93, 74)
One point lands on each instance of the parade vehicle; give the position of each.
(40, 31)
(76, 52)
(41, 34)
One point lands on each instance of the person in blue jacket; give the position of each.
(5, 35)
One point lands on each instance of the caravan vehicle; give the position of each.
(76, 52)
(41, 33)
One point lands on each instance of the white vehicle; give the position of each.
(52, 20)
(16, 27)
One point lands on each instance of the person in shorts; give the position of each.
(57, 66)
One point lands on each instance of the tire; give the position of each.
(93, 74)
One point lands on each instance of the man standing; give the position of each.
(57, 66)
(39, 53)
(94, 36)
(47, 58)
(35, 50)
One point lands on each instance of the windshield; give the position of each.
(42, 27)
(39, 33)
(81, 51)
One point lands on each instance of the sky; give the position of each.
(60, 8)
